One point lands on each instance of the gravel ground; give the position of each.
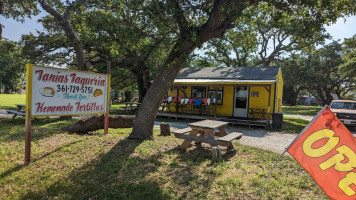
(258, 137)
(263, 139)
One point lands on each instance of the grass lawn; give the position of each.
(8, 101)
(292, 125)
(301, 110)
(97, 166)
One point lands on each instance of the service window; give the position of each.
(198, 92)
(220, 91)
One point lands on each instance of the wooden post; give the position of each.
(216, 103)
(28, 113)
(108, 106)
(165, 129)
(28, 137)
(108, 71)
(178, 88)
(269, 103)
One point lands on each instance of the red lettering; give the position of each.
(40, 76)
(39, 107)
(73, 77)
(50, 109)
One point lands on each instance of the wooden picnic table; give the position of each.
(262, 112)
(204, 132)
(17, 112)
(131, 106)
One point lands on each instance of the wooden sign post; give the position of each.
(60, 92)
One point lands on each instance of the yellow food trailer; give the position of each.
(237, 92)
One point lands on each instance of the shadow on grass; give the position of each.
(13, 130)
(19, 167)
(116, 175)
(122, 173)
(197, 156)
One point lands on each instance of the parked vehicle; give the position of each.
(345, 110)
(311, 101)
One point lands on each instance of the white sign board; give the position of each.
(65, 92)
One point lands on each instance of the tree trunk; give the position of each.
(165, 129)
(141, 88)
(219, 20)
(128, 96)
(290, 95)
(143, 128)
(143, 83)
(97, 122)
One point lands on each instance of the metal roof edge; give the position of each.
(221, 81)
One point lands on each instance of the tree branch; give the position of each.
(179, 17)
(72, 35)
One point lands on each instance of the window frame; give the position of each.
(192, 92)
(220, 101)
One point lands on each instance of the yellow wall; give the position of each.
(228, 102)
(226, 109)
(262, 100)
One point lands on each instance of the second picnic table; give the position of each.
(131, 106)
(19, 111)
(204, 132)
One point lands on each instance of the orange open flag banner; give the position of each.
(327, 150)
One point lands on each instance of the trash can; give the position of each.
(277, 120)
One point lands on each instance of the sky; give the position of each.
(13, 29)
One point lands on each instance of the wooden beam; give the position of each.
(269, 105)
(178, 87)
(216, 103)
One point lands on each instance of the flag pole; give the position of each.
(295, 139)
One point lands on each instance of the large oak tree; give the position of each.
(200, 21)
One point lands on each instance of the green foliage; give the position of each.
(322, 75)
(322, 72)
(348, 68)
(270, 30)
(18, 9)
(12, 66)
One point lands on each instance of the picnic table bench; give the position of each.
(204, 132)
(133, 106)
(18, 112)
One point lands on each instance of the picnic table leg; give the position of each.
(186, 143)
(222, 132)
(13, 117)
(199, 146)
(215, 150)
